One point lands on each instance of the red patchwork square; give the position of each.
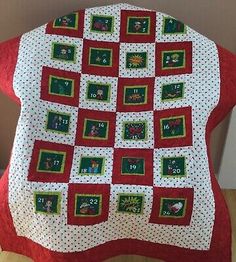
(173, 127)
(88, 204)
(172, 206)
(50, 162)
(60, 86)
(133, 167)
(135, 94)
(138, 26)
(173, 58)
(100, 58)
(68, 25)
(95, 128)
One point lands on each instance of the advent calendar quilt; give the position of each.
(111, 149)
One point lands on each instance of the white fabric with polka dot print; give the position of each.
(201, 92)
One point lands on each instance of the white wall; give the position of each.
(227, 172)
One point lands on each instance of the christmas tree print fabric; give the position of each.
(111, 151)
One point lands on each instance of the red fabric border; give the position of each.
(100, 70)
(160, 47)
(45, 176)
(103, 189)
(68, 32)
(149, 81)
(137, 38)
(8, 59)
(173, 142)
(46, 72)
(118, 178)
(171, 192)
(96, 115)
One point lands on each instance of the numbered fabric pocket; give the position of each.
(133, 166)
(58, 122)
(47, 203)
(50, 162)
(88, 204)
(173, 127)
(60, 86)
(130, 203)
(173, 58)
(137, 26)
(173, 26)
(100, 58)
(71, 25)
(63, 52)
(172, 206)
(95, 128)
(135, 94)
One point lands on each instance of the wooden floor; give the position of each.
(230, 196)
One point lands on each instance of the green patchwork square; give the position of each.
(87, 205)
(102, 24)
(98, 91)
(100, 57)
(136, 60)
(173, 91)
(173, 207)
(130, 203)
(135, 95)
(51, 161)
(173, 167)
(91, 165)
(48, 203)
(61, 86)
(133, 166)
(173, 127)
(138, 25)
(58, 122)
(173, 59)
(64, 52)
(67, 21)
(95, 129)
(135, 130)
(173, 26)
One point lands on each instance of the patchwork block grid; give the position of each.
(101, 128)
(115, 110)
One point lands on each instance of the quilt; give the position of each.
(111, 152)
